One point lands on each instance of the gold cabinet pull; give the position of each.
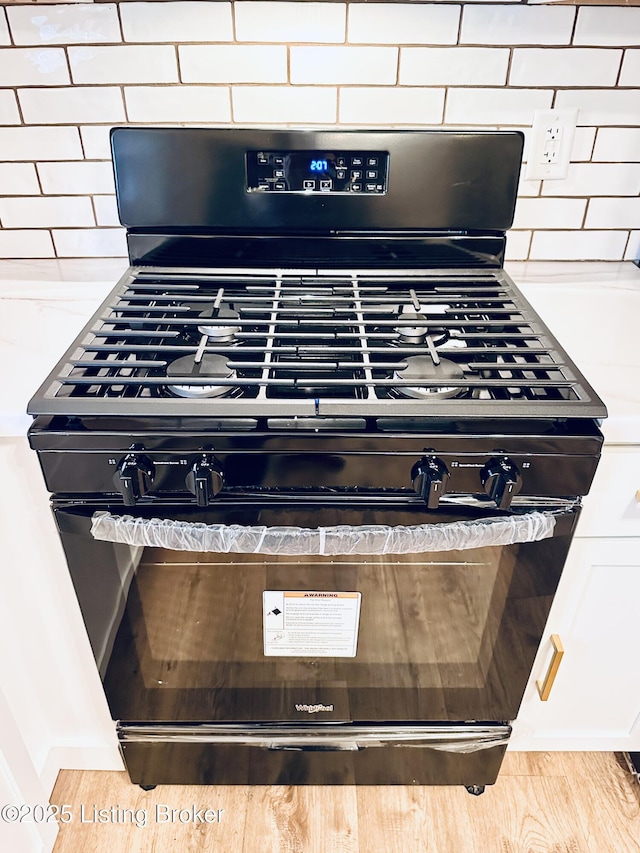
(544, 686)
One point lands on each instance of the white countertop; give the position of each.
(592, 308)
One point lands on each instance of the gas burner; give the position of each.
(213, 366)
(418, 333)
(221, 333)
(422, 368)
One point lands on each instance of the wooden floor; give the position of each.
(541, 803)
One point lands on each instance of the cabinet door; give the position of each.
(612, 507)
(595, 701)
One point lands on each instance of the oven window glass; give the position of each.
(441, 636)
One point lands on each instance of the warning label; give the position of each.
(310, 624)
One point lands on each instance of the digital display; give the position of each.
(318, 171)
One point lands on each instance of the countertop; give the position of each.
(592, 308)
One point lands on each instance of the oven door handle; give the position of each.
(341, 746)
(336, 540)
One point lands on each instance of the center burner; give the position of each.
(220, 332)
(209, 366)
(422, 368)
(422, 327)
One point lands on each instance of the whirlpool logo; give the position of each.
(313, 709)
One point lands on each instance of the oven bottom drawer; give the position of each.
(346, 754)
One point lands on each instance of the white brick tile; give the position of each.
(72, 105)
(583, 144)
(178, 103)
(233, 63)
(4, 29)
(511, 25)
(528, 188)
(8, 108)
(578, 245)
(32, 66)
(601, 106)
(453, 66)
(76, 178)
(18, 179)
(613, 213)
(176, 22)
(575, 66)
(106, 210)
(633, 247)
(382, 106)
(26, 244)
(284, 104)
(549, 213)
(40, 143)
(290, 22)
(399, 23)
(607, 25)
(124, 64)
(495, 106)
(344, 65)
(518, 243)
(45, 212)
(588, 179)
(630, 74)
(617, 145)
(82, 23)
(95, 142)
(91, 243)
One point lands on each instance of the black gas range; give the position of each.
(315, 355)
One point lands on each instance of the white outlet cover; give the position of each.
(537, 169)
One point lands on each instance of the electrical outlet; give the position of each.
(550, 144)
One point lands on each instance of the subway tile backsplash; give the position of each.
(517, 25)
(390, 23)
(313, 23)
(176, 22)
(233, 63)
(344, 65)
(72, 104)
(33, 66)
(4, 31)
(69, 72)
(64, 24)
(609, 26)
(124, 64)
(9, 113)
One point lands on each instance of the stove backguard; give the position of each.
(202, 180)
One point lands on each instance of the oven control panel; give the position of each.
(317, 172)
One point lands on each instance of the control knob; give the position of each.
(134, 477)
(205, 479)
(501, 480)
(429, 478)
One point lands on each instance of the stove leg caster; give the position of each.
(148, 787)
(476, 790)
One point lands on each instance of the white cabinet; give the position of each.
(595, 700)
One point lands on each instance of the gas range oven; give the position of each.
(316, 463)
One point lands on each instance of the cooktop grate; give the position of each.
(369, 343)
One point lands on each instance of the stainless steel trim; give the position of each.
(330, 736)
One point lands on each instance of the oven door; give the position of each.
(307, 613)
